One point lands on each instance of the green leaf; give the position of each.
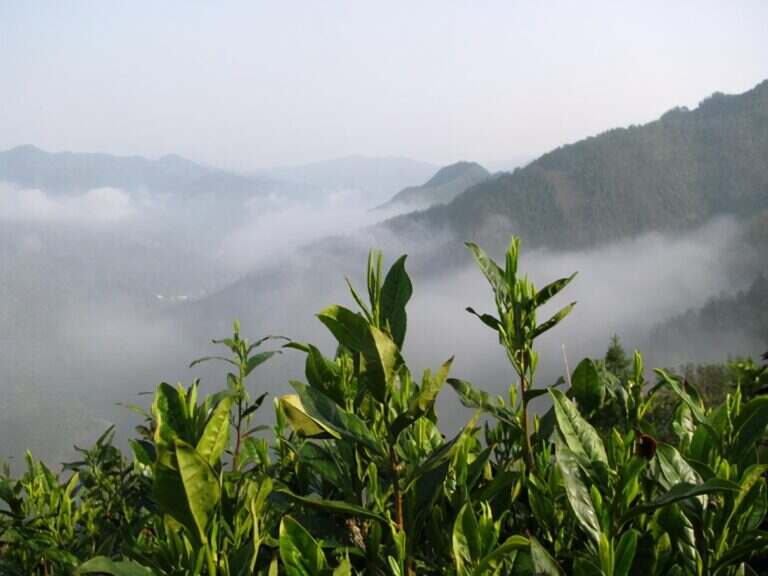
(695, 406)
(379, 350)
(554, 321)
(587, 387)
(300, 553)
(675, 469)
(473, 398)
(749, 427)
(169, 414)
(168, 490)
(325, 411)
(579, 434)
(424, 400)
(491, 271)
(344, 568)
(349, 328)
(303, 423)
(104, 565)
(395, 293)
(672, 519)
(487, 319)
(543, 562)
(322, 373)
(682, 491)
(625, 552)
(257, 360)
(442, 454)
(466, 539)
(220, 358)
(505, 550)
(334, 506)
(578, 492)
(750, 477)
(329, 466)
(201, 485)
(551, 290)
(213, 442)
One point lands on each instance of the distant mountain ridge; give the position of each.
(674, 173)
(74, 172)
(378, 178)
(444, 186)
(70, 172)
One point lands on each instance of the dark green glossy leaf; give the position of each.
(579, 434)
(257, 360)
(543, 562)
(324, 410)
(380, 352)
(553, 321)
(395, 293)
(588, 390)
(104, 565)
(625, 552)
(300, 553)
(749, 426)
(551, 290)
(680, 492)
(334, 506)
(578, 492)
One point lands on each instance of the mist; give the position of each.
(105, 295)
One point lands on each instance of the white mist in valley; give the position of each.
(105, 295)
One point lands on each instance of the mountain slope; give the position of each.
(726, 325)
(673, 173)
(443, 187)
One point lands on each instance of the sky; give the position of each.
(251, 85)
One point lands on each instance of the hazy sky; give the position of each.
(253, 84)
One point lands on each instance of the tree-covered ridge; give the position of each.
(676, 172)
(745, 312)
(357, 478)
(449, 182)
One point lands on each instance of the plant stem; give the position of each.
(236, 456)
(396, 488)
(527, 450)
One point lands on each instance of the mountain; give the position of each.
(377, 178)
(676, 172)
(70, 172)
(726, 325)
(443, 187)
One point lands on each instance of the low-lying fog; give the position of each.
(106, 294)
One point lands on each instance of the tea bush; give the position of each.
(357, 477)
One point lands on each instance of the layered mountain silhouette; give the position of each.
(674, 173)
(69, 172)
(441, 188)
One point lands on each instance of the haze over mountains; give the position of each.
(448, 183)
(671, 174)
(118, 270)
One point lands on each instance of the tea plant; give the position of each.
(358, 478)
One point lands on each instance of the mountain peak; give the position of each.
(456, 170)
(677, 172)
(443, 186)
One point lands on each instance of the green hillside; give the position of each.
(448, 183)
(673, 173)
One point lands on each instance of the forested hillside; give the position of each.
(676, 172)
(444, 186)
